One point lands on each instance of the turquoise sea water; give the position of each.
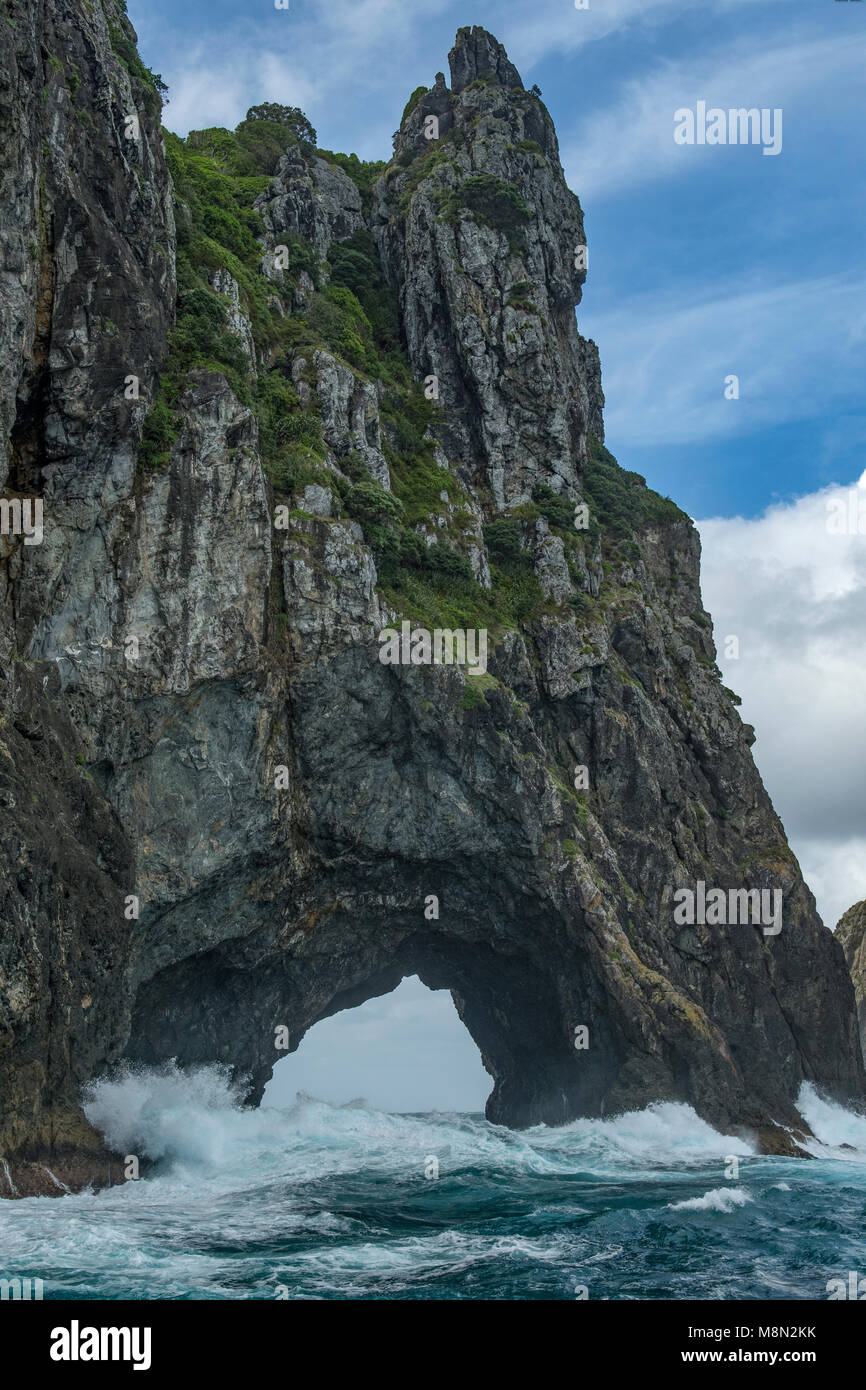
(326, 1202)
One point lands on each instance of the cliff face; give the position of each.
(86, 297)
(226, 814)
(851, 935)
(519, 387)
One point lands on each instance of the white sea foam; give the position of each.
(194, 1119)
(156, 1111)
(832, 1126)
(723, 1199)
(242, 1200)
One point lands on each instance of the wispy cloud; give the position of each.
(328, 58)
(556, 26)
(630, 142)
(792, 346)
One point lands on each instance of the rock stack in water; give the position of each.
(272, 404)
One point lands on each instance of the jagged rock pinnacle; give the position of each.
(478, 54)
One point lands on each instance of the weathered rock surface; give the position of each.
(86, 298)
(851, 935)
(316, 203)
(488, 291)
(280, 803)
(64, 944)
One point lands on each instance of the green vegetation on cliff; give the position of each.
(217, 176)
(349, 310)
(620, 500)
(122, 37)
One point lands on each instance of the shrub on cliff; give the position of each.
(368, 502)
(491, 200)
(158, 436)
(621, 500)
(496, 202)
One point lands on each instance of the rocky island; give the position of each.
(275, 400)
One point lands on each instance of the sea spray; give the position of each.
(331, 1202)
(831, 1123)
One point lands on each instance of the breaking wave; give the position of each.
(341, 1202)
(196, 1117)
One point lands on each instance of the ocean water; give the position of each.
(334, 1202)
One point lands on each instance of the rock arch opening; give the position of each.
(404, 1052)
(226, 1006)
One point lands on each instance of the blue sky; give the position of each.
(703, 261)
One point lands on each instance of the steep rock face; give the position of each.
(314, 202)
(89, 281)
(486, 244)
(350, 414)
(64, 945)
(282, 806)
(851, 935)
(86, 298)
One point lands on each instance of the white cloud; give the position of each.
(326, 58)
(217, 89)
(794, 594)
(835, 873)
